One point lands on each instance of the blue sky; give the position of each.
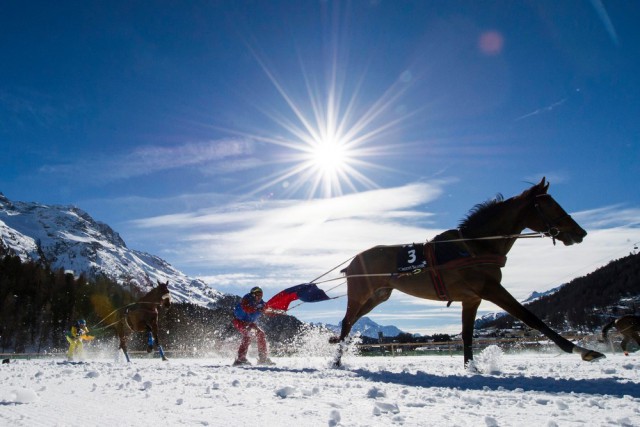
(265, 143)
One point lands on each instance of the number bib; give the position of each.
(411, 257)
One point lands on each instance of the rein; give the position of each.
(504, 236)
(95, 327)
(461, 239)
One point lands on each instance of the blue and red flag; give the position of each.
(306, 292)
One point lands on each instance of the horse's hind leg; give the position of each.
(355, 310)
(624, 343)
(123, 343)
(627, 339)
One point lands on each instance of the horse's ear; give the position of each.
(546, 186)
(543, 185)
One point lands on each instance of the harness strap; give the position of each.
(622, 331)
(148, 310)
(138, 306)
(434, 272)
(498, 260)
(472, 261)
(126, 321)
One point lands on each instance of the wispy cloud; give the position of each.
(28, 108)
(219, 156)
(155, 158)
(610, 216)
(546, 109)
(297, 235)
(606, 21)
(553, 177)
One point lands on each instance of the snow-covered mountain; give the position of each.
(537, 295)
(68, 238)
(490, 317)
(368, 328)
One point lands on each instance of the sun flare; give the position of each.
(330, 156)
(328, 140)
(328, 149)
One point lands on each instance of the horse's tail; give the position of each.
(605, 328)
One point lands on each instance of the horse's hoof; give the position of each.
(334, 340)
(591, 355)
(165, 359)
(471, 367)
(149, 349)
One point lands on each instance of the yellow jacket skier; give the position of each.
(75, 336)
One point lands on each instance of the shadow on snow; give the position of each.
(601, 386)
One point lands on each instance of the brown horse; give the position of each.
(142, 316)
(628, 326)
(479, 247)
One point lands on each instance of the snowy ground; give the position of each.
(511, 389)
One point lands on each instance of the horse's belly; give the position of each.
(418, 285)
(461, 285)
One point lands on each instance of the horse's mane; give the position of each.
(481, 212)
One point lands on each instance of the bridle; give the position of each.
(552, 229)
(551, 224)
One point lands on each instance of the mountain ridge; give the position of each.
(367, 327)
(66, 237)
(584, 303)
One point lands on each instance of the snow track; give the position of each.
(532, 389)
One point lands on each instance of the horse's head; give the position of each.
(163, 290)
(547, 216)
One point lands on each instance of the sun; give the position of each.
(327, 164)
(330, 156)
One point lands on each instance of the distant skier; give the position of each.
(246, 314)
(76, 334)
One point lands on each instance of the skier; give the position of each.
(76, 334)
(246, 314)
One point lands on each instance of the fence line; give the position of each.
(449, 346)
(457, 345)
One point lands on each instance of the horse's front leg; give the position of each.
(469, 311)
(498, 295)
(157, 342)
